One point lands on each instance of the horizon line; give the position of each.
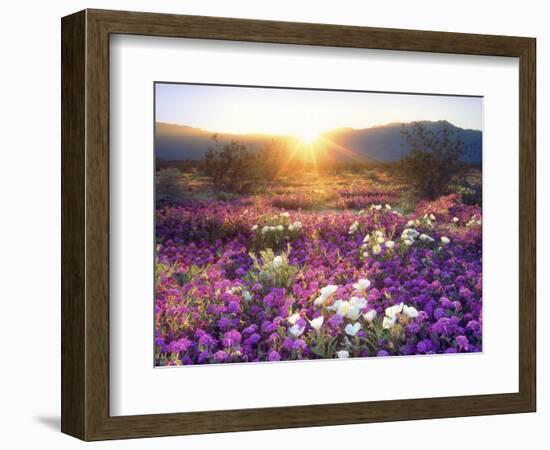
(381, 125)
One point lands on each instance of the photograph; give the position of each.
(298, 224)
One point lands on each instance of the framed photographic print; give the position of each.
(270, 224)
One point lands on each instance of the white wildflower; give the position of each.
(353, 228)
(326, 292)
(277, 262)
(391, 315)
(392, 311)
(348, 309)
(358, 302)
(293, 318)
(370, 316)
(353, 313)
(410, 233)
(410, 311)
(425, 238)
(388, 322)
(341, 307)
(352, 330)
(296, 330)
(362, 284)
(317, 323)
(296, 226)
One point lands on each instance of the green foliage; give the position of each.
(325, 346)
(274, 231)
(272, 270)
(163, 269)
(434, 160)
(470, 193)
(189, 275)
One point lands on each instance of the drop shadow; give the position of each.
(51, 422)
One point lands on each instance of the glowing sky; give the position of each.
(291, 111)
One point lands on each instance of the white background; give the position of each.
(134, 382)
(30, 230)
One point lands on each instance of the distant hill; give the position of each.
(376, 144)
(180, 142)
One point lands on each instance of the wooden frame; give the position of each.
(85, 224)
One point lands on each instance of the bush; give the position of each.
(168, 186)
(470, 193)
(433, 161)
(232, 167)
(273, 158)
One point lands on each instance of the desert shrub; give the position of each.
(168, 186)
(407, 202)
(273, 158)
(470, 193)
(225, 196)
(433, 161)
(232, 167)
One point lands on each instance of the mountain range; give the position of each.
(384, 143)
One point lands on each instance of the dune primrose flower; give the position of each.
(317, 323)
(326, 293)
(362, 284)
(352, 330)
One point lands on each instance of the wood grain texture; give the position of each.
(85, 224)
(73, 111)
(527, 224)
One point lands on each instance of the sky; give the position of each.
(229, 109)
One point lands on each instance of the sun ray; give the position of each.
(348, 152)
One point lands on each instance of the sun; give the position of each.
(308, 136)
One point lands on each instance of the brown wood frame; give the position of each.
(85, 224)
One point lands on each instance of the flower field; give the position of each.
(330, 268)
